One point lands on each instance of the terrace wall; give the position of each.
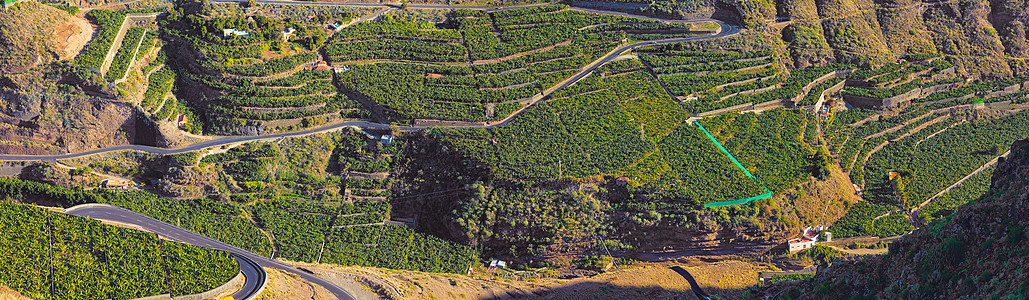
(238, 279)
(744, 106)
(879, 103)
(819, 80)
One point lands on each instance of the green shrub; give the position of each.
(777, 278)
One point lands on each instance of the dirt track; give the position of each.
(640, 281)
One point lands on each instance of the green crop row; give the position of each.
(270, 67)
(158, 85)
(95, 52)
(123, 58)
(55, 256)
(942, 160)
(302, 229)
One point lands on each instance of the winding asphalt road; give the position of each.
(726, 30)
(255, 276)
(247, 259)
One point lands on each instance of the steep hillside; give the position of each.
(49, 104)
(27, 35)
(978, 253)
(988, 36)
(38, 115)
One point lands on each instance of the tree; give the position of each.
(900, 183)
(995, 150)
(403, 4)
(251, 3)
(820, 164)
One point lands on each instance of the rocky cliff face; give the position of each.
(35, 118)
(988, 36)
(978, 253)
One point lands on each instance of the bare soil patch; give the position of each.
(9, 294)
(289, 286)
(639, 281)
(72, 37)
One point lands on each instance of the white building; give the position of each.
(233, 32)
(287, 33)
(496, 263)
(808, 238)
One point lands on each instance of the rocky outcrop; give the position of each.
(981, 32)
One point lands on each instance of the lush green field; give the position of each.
(54, 256)
(109, 21)
(300, 225)
(123, 58)
(587, 129)
(789, 277)
(940, 161)
(159, 84)
(262, 76)
(621, 122)
(770, 145)
(726, 78)
(861, 220)
(936, 150)
(474, 66)
(971, 189)
(222, 221)
(688, 163)
(354, 234)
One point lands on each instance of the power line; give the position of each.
(430, 193)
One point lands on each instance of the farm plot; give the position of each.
(710, 80)
(507, 58)
(82, 256)
(263, 72)
(937, 162)
(601, 124)
(355, 234)
(95, 52)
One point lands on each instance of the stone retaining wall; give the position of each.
(750, 92)
(718, 71)
(939, 88)
(745, 81)
(218, 290)
(1011, 89)
(200, 296)
(768, 104)
(902, 80)
(955, 98)
(744, 106)
(835, 88)
(877, 103)
(943, 74)
(813, 83)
